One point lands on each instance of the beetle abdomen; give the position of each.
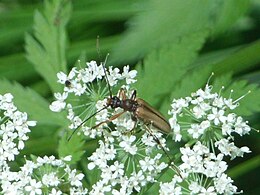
(149, 117)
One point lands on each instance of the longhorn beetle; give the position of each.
(140, 110)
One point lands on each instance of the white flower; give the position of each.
(126, 144)
(28, 167)
(209, 191)
(113, 76)
(195, 131)
(229, 148)
(148, 140)
(100, 72)
(217, 116)
(129, 76)
(102, 154)
(229, 103)
(50, 179)
(86, 75)
(117, 169)
(147, 164)
(176, 129)
(55, 192)
(34, 187)
(62, 77)
(41, 174)
(75, 179)
(194, 187)
(241, 127)
(170, 188)
(223, 185)
(218, 102)
(198, 112)
(137, 180)
(100, 188)
(125, 163)
(59, 104)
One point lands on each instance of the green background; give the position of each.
(174, 45)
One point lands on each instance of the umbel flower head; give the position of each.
(14, 128)
(206, 123)
(208, 117)
(126, 161)
(43, 175)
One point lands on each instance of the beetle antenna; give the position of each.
(85, 121)
(98, 49)
(103, 65)
(109, 87)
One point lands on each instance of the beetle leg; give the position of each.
(109, 120)
(133, 96)
(157, 140)
(121, 94)
(164, 150)
(135, 125)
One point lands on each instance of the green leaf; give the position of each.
(243, 168)
(44, 145)
(16, 67)
(29, 101)
(164, 68)
(240, 60)
(190, 82)
(160, 23)
(46, 50)
(228, 15)
(73, 147)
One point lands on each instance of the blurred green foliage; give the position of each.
(174, 45)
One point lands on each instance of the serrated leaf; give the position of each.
(167, 21)
(164, 68)
(46, 50)
(73, 147)
(30, 102)
(190, 82)
(162, 22)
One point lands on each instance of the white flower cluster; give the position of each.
(207, 116)
(203, 171)
(126, 162)
(115, 172)
(45, 175)
(79, 82)
(14, 127)
(206, 121)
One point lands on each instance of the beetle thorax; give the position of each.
(129, 105)
(114, 102)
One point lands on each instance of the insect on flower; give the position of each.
(140, 111)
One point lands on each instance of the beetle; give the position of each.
(140, 109)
